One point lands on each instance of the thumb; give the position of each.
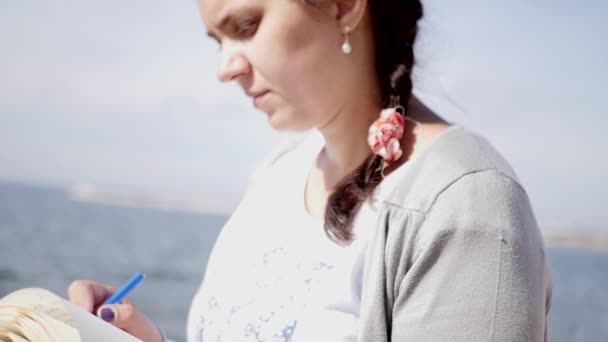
(130, 319)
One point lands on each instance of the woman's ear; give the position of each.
(350, 12)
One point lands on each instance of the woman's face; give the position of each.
(284, 54)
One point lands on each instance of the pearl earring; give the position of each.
(346, 47)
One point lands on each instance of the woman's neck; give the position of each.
(346, 138)
(345, 141)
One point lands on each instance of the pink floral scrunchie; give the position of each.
(385, 135)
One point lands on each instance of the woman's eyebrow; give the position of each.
(220, 26)
(235, 12)
(228, 17)
(225, 20)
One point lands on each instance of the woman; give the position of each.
(384, 223)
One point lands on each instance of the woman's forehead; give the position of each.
(214, 11)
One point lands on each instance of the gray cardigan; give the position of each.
(457, 255)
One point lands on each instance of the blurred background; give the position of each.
(120, 152)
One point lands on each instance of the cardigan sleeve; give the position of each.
(476, 270)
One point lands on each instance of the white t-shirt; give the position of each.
(273, 274)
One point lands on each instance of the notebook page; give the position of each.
(18, 321)
(40, 300)
(90, 327)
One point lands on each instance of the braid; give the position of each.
(395, 26)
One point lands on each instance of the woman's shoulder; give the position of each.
(456, 156)
(460, 188)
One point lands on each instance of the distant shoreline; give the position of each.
(594, 241)
(84, 192)
(561, 238)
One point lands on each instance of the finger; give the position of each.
(129, 318)
(88, 294)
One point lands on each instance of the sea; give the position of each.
(48, 239)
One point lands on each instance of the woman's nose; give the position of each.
(232, 65)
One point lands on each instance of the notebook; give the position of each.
(35, 314)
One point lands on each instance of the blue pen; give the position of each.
(125, 289)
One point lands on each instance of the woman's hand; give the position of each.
(89, 295)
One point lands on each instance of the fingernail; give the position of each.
(107, 314)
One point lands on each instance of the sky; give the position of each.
(123, 94)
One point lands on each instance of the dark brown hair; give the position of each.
(394, 29)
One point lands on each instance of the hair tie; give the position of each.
(385, 134)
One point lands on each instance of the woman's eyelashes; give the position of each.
(246, 28)
(238, 30)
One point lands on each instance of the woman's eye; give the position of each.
(247, 28)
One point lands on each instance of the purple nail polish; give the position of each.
(107, 314)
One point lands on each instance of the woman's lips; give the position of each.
(258, 100)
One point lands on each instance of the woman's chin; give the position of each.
(286, 121)
(277, 124)
(283, 124)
